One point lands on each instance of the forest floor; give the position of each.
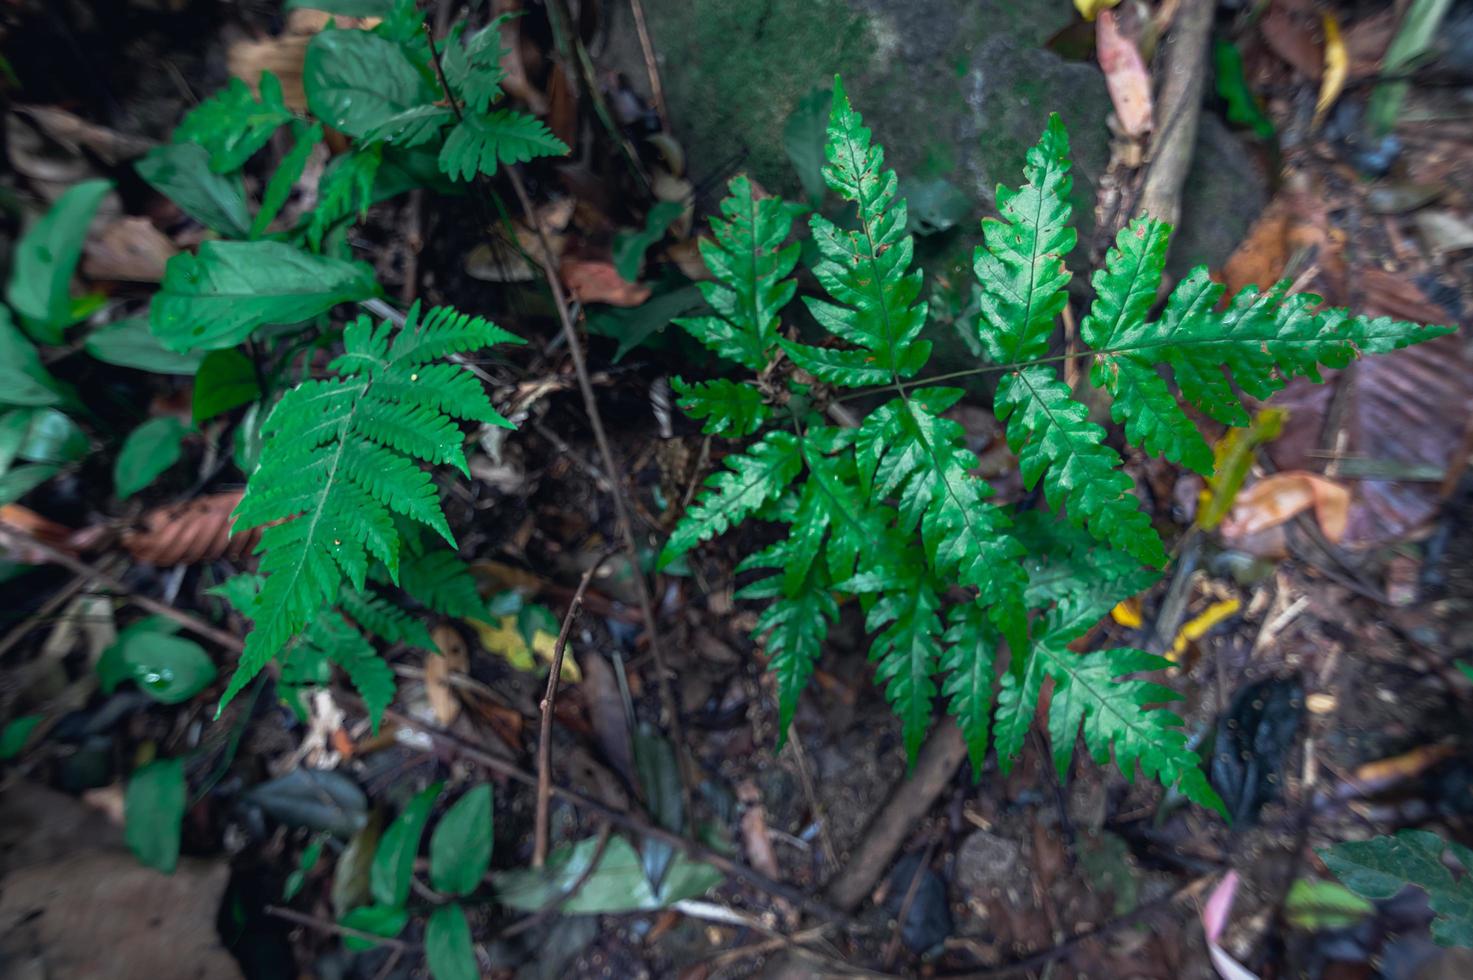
(1314, 634)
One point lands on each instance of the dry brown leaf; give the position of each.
(1294, 225)
(43, 529)
(187, 533)
(1281, 497)
(127, 250)
(76, 134)
(597, 282)
(1337, 67)
(283, 55)
(453, 658)
(1125, 76)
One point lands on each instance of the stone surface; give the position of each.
(986, 861)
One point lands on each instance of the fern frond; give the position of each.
(384, 619)
(473, 69)
(233, 124)
(482, 142)
(728, 408)
(368, 672)
(751, 269)
(1021, 269)
(440, 580)
(344, 190)
(1055, 442)
(971, 649)
(867, 269)
(794, 624)
(413, 127)
(906, 647)
(342, 456)
(750, 480)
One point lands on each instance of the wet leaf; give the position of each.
(1253, 741)
(128, 343)
(379, 920)
(317, 799)
(448, 949)
(168, 668)
(148, 451)
(460, 848)
(181, 172)
(393, 863)
(40, 435)
(617, 884)
(154, 813)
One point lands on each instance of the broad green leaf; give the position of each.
(21, 480)
(24, 380)
(630, 246)
(129, 343)
(1243, 106)
(181, 172)
(287, 173)
(633, 326)
(483, 142)
(169, 669)
(45, 258)
(323, 800)
(40, 435)
(148, 451)
(448, 950)
(153, 813)
(220, 296)
(393, 863)
(226, 380)
(659, 778)
(616, 884)
(233, 124)
(378, 920)
(16, 733)
(460, 848)
(1381, 867)
(1415, 36)
(1324, 905)
(356, 81)
(804, 136)
(934, 205)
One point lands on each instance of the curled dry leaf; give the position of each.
(43, 529)
(453, 658)
(190, 532)
(76, 134)
(127, 250)
(1281, 497)
(597, 282)
(1125, 76)
(1337, 68)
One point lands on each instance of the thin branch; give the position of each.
(616, 477)
(323, 925)
(544, 736)
(651, 66)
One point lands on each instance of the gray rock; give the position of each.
(986, 861)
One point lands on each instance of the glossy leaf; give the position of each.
(393, 862)
(448, 950)
(226, 380)
(231, 125)
(148, 451)
(356, 80)
(153, 813)
(181, 172)
(378, 920)
(460, 848)
(129, 343)
(616, 884)
(45, 258)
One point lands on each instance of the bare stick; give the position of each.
(1180, 102)
(323, 925)
(657, 90)
(544, 736)
(15, 538)
(616, 477)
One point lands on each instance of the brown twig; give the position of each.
(14, 538)
(657, 90)
(627, 820)
(616, 477)
(1180, 103)
(57, 599)
(544, 736)
(336, 929)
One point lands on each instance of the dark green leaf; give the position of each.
(40, 435)
(220, 296)
(659, 777)
(153, 811)
(482, 143)
(630, 246)
(24, 380)
(1243, 107)
(934, 205)
(20, 481)
(356, 80)
(617, 884)
(148, 451)
(45, 258)
(460, 848)
(181, 172)
(393, 863)
(345, 8)
(288, 172)
(448, 950)
(233, 124)
(378, 920)
(129, 343)
(804, 136)
(317, 799)
(305, 863)
(16, 733)
(226, 380)
(634, 325)
(168, 668)
(1381, 867)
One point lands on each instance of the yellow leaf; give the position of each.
(1337, 68)
(1090, 9)
(1232, 457)
(1128, 613)
(1199, 626)
(504, 639)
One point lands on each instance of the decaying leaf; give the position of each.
(453, 658)
(1337, 67)
(598, 282)
(190, 532)
(43, 529)
(1200, 625)
(1281, 497)
(127, 250)
(1126, 77)
(504, 638)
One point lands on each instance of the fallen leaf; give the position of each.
(1214, 923)
(1232, 458)
(1126, 77)
(1294, 225)
(1281, 497)
(1200, 625)
(1337, 68)
(187, 533)
(77, 134)
(598, 282)
(1090, 9)
(504, 638)
(1128, 613)
(127, 250)
(1292, 39)
(43, 529)
(453, 658)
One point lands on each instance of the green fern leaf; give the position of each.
(482, 142)
(866, 269)
(384, 619)
(337, 464)
(1021, 269)
(345, 190)
(233, 124)
(906, 648)
(473, 68)
(968, 660)
(794, 625)
(750, 480)
(1056, 443)
(440, 580)
(728, 408)
(368, 672)
(752, 270)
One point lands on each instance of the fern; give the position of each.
(890, 511)
(482, 142)
(473, 69)
(342, 456)
(345, 190)
(233, 124)
(440, 580)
